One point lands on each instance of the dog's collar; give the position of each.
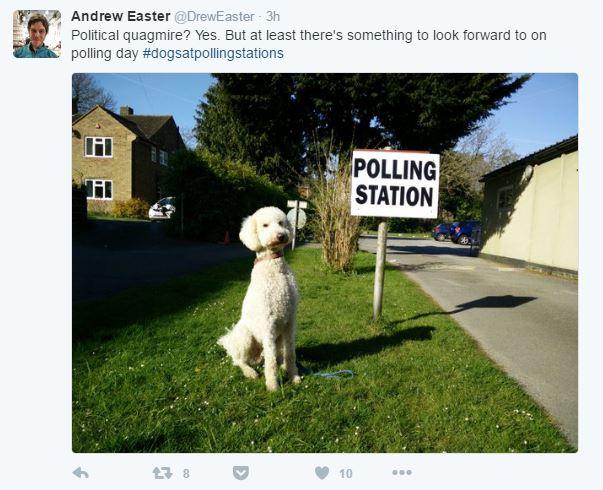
(273, 255)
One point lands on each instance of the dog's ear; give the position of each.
(249, 234)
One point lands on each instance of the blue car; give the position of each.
(462, 231)
(442, 231)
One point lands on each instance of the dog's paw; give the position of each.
(296, 380)
(272, 385)
(250, 373)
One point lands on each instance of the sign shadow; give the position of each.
(506, 301)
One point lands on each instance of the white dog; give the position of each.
(267, 324)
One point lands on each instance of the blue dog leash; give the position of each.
(344, 374)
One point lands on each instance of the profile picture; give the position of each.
(36, 33)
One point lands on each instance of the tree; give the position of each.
(255, 124)
(86, 93)
(273, 120)
(461, 193)
(189, 136)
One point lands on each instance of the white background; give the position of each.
(35, 345)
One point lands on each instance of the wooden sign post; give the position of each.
(391, 183)
(380, 270)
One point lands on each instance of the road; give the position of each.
(112, 255)
(525, 321)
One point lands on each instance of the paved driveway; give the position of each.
(113, 255)
(526, 322)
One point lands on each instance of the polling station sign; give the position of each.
(395, 184)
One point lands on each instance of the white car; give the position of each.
(163, 209)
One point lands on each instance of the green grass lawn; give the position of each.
(148, 376)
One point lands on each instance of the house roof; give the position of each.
(547, 154)
(148, 124)
(131, 125)
(144, 127)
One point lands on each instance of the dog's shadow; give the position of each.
(322, 355)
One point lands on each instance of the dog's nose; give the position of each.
(281, 237)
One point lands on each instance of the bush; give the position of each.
(79, 205)
(132, 208)
(336, 228)
(216, 194)
(99, 207)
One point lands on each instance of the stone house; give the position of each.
(121, 156)
(530, 210)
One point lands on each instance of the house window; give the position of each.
(99, 189)
(505, 198)
(163, 157)
(100, 147)
(153, 154)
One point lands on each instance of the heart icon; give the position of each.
(321, 472)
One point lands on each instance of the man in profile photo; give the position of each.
(37, 27)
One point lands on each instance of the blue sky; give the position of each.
(544, 111)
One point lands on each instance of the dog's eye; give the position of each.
(280, 223)
(265, 225)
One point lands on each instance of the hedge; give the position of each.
(217, 194)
